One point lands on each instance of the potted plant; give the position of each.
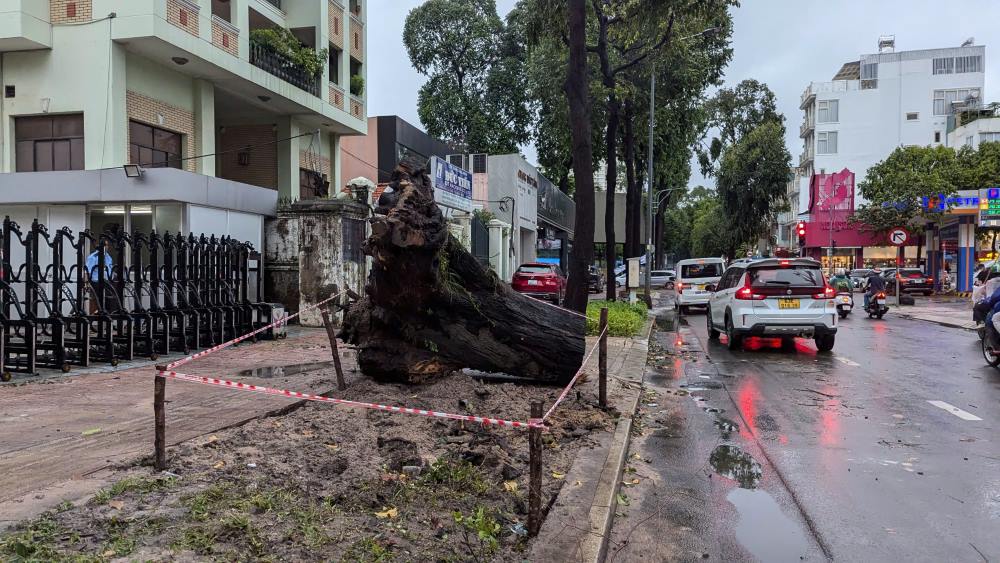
(357, 85)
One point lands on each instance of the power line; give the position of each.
(238, 149)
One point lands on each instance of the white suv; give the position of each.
(694, 276)
(777, 298)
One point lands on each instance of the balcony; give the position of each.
(266, 59)
(357, 39)
(808, 95)
(357, 107)
(275, 3)
(805, 158)
(806, 127)
(336, 96)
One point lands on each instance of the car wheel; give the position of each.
(735, 342)
(927, 294)
(824, 343)
(712, 333)
(555, 299)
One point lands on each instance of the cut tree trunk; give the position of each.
(431, 308)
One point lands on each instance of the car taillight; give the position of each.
(827, 293)
(746, 293)
(930, 280)
(679, 287)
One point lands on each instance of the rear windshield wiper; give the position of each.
(778, 282)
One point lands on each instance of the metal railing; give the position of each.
(266, 59)
(275, 3)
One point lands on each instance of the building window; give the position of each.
(826, 142)
(913, 116)
(971, 63)
(479, 163)
(49, 142)
(869, 76)
(944, 65)
(334, 64)
(937, 136)
(989, 137)
(944, 99)
(829, 111)
(222, 9)
(353, 235)
(153, 147)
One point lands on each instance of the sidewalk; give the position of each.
(60, 434)
(948, 311)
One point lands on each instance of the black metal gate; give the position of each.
(480, 241)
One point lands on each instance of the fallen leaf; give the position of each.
(510, 486)
(219, 464)
(388, 513)
(332, 447)
(578, 483)
(631, 483)
(308, 433)
(622, 499)
(91, 432)
(116, 504)
(213, 438)
(108, 553)
(557, 475)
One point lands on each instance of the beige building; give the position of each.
(204, 86)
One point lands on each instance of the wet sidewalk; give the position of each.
(947, 311)
(60, 434)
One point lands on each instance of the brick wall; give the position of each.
(183, 14)
(259, 166)
(357, 39)
(336, 96)
(315, 162)
(142, 108)
(70, 11)
(225, 37)
(336, 23)
(357, 108)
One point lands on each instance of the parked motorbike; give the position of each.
(876, 306)
(845, 304)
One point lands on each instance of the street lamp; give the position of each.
(649, 164)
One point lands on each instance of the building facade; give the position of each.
(975, 126)
(196, 86)
(872, 106)
(390, 139)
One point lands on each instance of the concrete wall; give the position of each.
(359, 156)
(961, 135)
(504, 180)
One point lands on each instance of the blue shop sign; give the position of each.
(452, 185)
(941, 203)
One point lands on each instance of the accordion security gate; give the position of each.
(115, 296)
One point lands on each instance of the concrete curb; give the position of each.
(602, 511)
(942, 323)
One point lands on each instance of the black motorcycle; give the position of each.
(876, 306)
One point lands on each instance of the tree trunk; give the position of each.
(431, 308)
(633, 193)
(610, 248)
(578, 98)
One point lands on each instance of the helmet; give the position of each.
(840, 272)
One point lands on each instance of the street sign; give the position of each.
(898, 236)
(452, 185)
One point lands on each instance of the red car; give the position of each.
(540, 280)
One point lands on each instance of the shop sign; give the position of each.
(452, 185)
(940, 203)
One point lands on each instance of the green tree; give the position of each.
(709, 231)
(895, 188)
(751, 183)
(733, 114)
(475, 97)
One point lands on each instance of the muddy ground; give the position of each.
(331, 483)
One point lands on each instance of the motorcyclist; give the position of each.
(987, 283)
(875, 284)
(993, 302)
(840, 282)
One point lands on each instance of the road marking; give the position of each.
(954, 410)
(846, 361)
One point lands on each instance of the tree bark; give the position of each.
(578, 98)
(431, 308)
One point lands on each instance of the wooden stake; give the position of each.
(160, 421)
(332, 335)
(602, 359)
(535, 472)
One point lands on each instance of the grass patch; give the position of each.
(140, 485)
(368, 550)
(623, 319)
(38, 540)
(461, 476)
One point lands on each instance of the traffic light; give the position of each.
(800, 230)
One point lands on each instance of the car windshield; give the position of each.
(911, 273)
(791, 276)
(690, 271)
(860, 273)
(535, 269)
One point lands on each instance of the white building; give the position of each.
(975, 126)
(92, 85)
(784, 235)
(883, 101)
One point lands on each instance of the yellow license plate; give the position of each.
(788, 303)
(700, 287)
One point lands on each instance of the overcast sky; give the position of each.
(784, 43)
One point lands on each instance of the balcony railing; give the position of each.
(806, 127)
(275, 3)
(266, 59)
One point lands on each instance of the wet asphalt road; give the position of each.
(787, 456)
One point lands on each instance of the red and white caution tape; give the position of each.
(239, 339)
(579, 372)
(533, 423)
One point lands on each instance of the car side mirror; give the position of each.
(710, 287)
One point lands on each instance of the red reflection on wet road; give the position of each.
(746, 400)
(829, 418)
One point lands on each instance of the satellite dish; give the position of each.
(969, 42)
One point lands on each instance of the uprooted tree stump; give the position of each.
(431, 308)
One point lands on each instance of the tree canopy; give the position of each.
(475, 96)
(733, 113)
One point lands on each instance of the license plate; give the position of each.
(700, 287)
(881, 301)
(533, 282)
(788, 303)
(845, 299)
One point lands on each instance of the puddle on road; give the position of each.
(281, 371)
(702, 386)
(666, 322)
(734, 463)
(764, 530)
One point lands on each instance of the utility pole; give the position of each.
(649, 188)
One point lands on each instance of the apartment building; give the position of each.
(974, 126)
(226, 106)
(785, 237)
(873, 105)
